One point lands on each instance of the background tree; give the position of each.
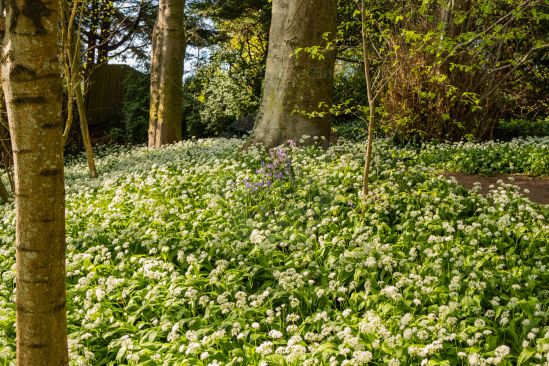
(31, 82)
(453, 62)
(74, 81)
(116, 28)
(295, 84)
(165, 125)
(6, 154)
(227, 65)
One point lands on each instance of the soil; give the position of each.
(537, 187)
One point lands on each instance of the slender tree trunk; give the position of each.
(91, 47)
(6, 153)
(84, 129)
(70, 115)
(32, 86)
(294, 86)
(371, 104)
(74, 81)
(165, 125)
(4, 195)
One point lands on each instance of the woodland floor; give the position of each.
(535, 188)
(202, 254)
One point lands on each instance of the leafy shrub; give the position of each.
(135, 110)
(225, 101)
(352, 130)
(515, 128)
(221, 100)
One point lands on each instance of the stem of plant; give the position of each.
(371, 105)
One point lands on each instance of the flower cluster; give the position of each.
(278, 168)
(519, 156)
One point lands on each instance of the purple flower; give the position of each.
(279, 168)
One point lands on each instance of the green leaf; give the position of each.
(525, 355)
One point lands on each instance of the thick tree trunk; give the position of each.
(295, 85)
(32, 86)
(165, 125)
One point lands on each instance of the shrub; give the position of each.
(135, 109)
(514, 128)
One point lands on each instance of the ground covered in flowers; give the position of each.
(200, 254)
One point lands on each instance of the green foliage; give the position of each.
(451, 70)
(352, 130)
(172, 260)
(514, 128)
(226, 89)
(521, 156)
(136, 108)
(217, 98)
(226, 100)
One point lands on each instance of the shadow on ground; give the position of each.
(535, 188)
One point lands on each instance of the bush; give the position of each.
(215, 101)
(515, 128)
(135, 110)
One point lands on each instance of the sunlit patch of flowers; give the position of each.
(172, 260)
(520, 156)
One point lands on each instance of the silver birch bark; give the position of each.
(32, 85)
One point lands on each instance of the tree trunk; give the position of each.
(295, 85)
(104, 36)
(6, 153)
(4, 195)
(73, 77)
(32, 86)
(84, 129)
(371, 104)
(165, 125)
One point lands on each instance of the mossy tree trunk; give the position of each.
(32, 86)
(295, 85)
(165, 125)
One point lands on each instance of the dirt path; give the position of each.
(537, 188)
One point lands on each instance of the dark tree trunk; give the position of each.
(4, 196)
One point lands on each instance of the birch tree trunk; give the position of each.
(295, 85)
(32, 86)
(165, 124)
